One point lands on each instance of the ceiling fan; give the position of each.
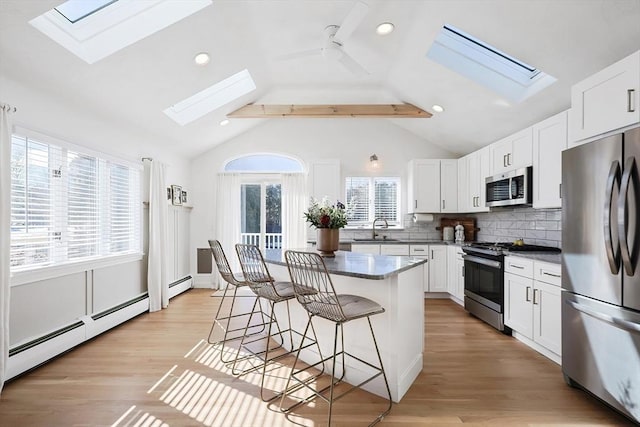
(336, 35)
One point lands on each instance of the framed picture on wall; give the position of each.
(176, 192)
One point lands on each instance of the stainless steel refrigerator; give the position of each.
(600, 277)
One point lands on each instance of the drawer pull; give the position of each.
(418, 250)
(516, 266)
(550, 274)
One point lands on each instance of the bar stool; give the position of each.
(315, 292)
(264, 286)
(234, 281)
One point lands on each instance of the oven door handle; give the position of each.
(483, 261)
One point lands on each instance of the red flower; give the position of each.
(325, 220)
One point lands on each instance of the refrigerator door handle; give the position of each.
(629, 176)
(616, 321)
(613, 254)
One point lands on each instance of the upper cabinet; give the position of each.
(549, 139)
(512, 152)
(606, 101)
(472, 171)
(324, 179)
(432, 186)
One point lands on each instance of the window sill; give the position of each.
(52, 271)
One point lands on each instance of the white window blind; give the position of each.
(369, 198)
(69, 206)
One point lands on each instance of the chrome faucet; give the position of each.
(373, 231)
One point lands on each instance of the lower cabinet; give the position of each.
(533, 305)
(438, 268)
(455, 273)
(366, 249)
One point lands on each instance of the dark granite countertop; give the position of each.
(364, 266)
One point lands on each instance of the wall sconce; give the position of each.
(374, 161)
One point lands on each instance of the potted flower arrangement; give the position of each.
(328, 220)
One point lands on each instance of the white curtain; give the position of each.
(294, 203)
(5, 235)
(227, 219)
(157, 282)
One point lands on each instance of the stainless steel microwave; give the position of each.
(510, 188)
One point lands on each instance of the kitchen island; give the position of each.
(394, 282)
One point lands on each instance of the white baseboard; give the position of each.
(98, 326)
(180, 288)
(537, 347)
(37, 355)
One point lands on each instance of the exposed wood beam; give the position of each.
(262, 111)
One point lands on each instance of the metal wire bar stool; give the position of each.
(234, 281)
(315, 292)
(264, 286)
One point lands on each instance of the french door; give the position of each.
(261, 210)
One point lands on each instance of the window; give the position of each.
(369, 198)
(69, 206)
(260, 207)
(263, 163)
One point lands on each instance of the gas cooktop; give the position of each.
(515, 248)
(498, 249)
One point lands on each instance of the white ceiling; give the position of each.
(569, 39)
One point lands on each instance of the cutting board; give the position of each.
(469, 225)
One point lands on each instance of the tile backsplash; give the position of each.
(535, 226)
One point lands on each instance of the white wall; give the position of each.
(350, 140)
(42, 112)
(41, 306)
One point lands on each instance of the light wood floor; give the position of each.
(155, 370)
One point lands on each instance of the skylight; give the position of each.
(487, 65)
(211, 98)
(95, 29)
(75, 10)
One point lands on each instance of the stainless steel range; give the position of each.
(484, 279)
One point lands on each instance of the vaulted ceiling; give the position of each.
(569, 39)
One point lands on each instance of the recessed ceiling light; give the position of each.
(385, 28)
(437, 108)
(224, 122)
(202, 58)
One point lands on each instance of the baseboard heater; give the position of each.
(180, 286)
(36, 352)
(31, 354)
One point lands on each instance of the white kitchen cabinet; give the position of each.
(464, 200)
(478, 168)
(432, 186)
(549, 140)
(423, 192)
(422, 251)
(366, 249)
(324, 179)
(533, 304)
(606, 101)
(518, 310)
(381, 249)
(455, 273)
(449, 185)
(438, 268)
(512, 152)
(394, 249)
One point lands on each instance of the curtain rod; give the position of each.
(8, 108)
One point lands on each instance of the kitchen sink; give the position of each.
(374, 240)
